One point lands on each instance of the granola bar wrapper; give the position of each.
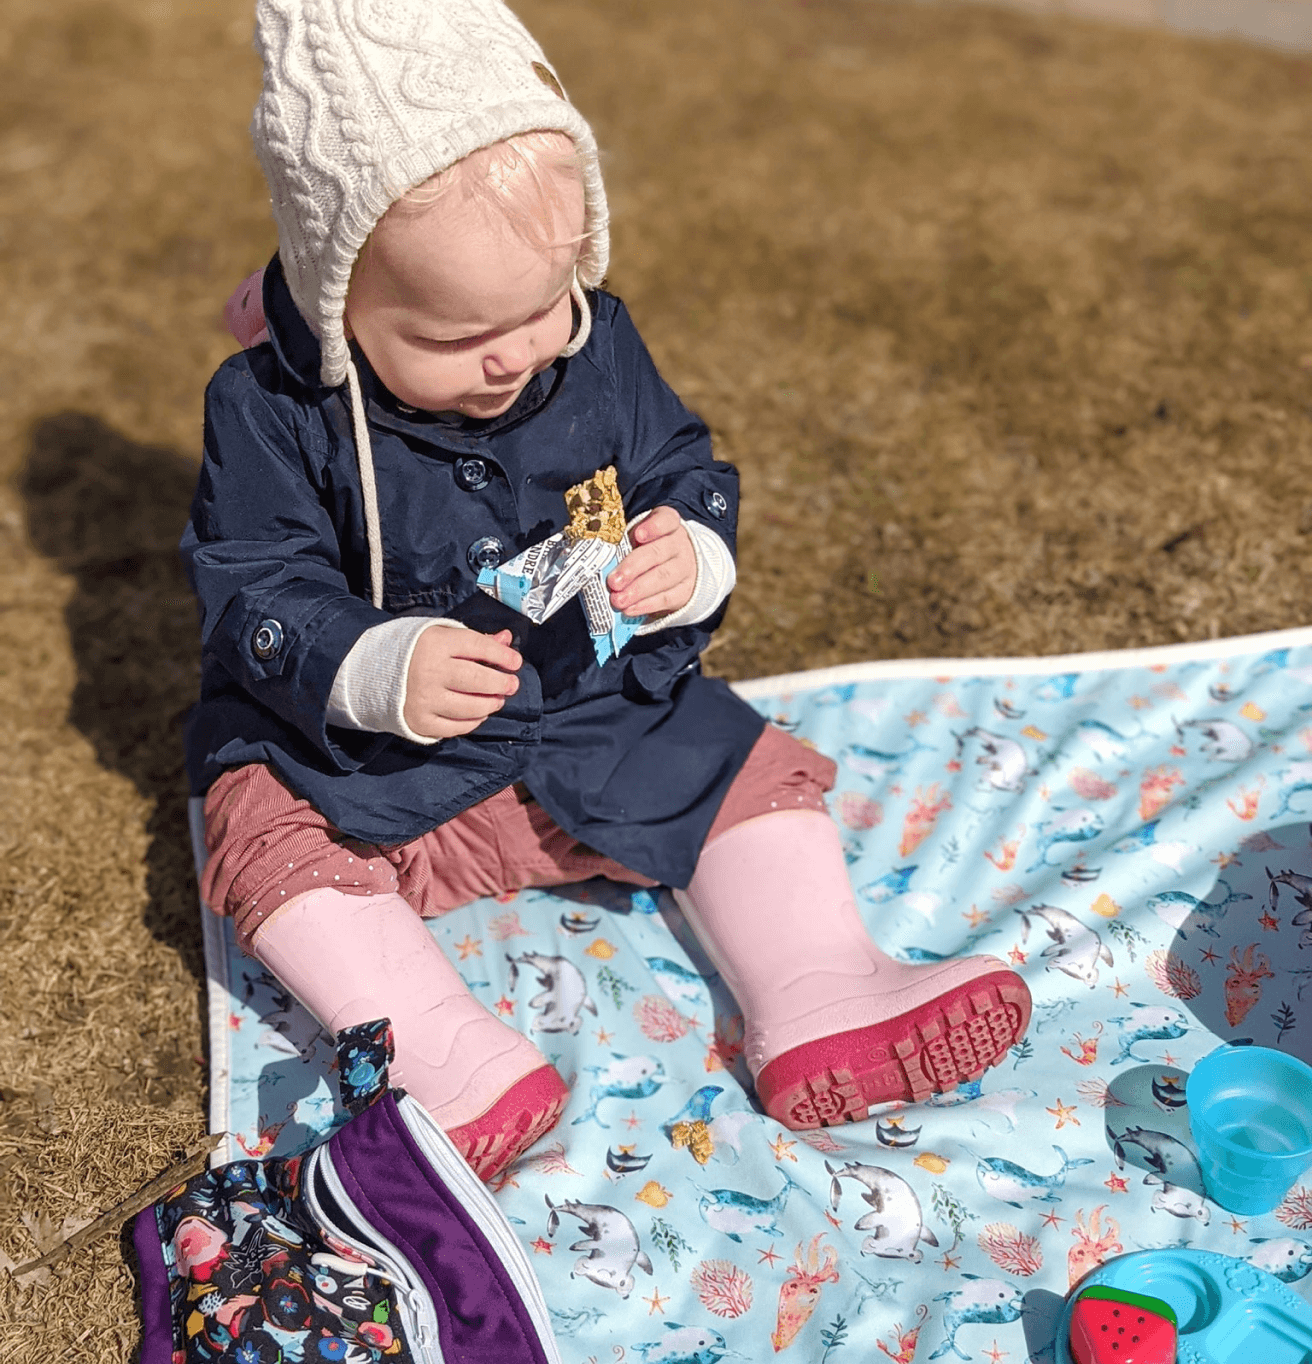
(574, 562)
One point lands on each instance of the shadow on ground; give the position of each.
(109, 512)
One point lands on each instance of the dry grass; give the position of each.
(1003, 320)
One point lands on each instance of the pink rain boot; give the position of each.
(243, 314)
(353, 958)
(833, 1025)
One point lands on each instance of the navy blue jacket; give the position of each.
(633, 758)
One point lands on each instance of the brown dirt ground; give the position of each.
(1004, 321)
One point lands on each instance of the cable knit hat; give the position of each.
(365, 99)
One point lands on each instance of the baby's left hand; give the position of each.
(661, 573)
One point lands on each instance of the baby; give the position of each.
(380, 741)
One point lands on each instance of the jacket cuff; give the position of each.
(369, 691)
(716, 576)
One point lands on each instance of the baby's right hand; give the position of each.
(457, 679)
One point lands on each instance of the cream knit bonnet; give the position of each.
(365, 99)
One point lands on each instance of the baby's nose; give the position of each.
(510, 357)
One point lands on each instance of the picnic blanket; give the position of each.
(1128, 830)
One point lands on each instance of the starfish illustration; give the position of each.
(1064, 1113)
(656, 1303)
(469, 947)
(768, 1257)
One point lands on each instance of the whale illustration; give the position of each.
(989, 1301)
(895, 1222)
(1147, 1023)
(1075, 951)
(735, 1213)
(685, 1345)
(626, 1077)
(1014, 1184)
(610, 1240)
(1173, 1168)
(564, 992)
(1069, 827)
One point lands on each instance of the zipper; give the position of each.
(492, 1222)
(415, 1308)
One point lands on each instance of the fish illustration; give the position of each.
(1288, 1259)
(678, 983)
(895, 1222)
(685, 1345)
(653, 1194)
(1177, 907)
(877, 765)
(988, 1301)
(891, 884)
(564, 992)
(1075, 951)
(1069, 827)
(621, 1162)
(610, 1240)
(735, 1213)
(1005, 710)
(1173, 1169)
(1106, 744)
(1302, 888)
(1167, 1093)
(1138, 839)
(290, 1029)
(1004, 760)
(892, 1133)
(1059, 688)
(1220, 740)
(1147, 1023)
(1079, 875)
(1014, 1184)
(626, 1077)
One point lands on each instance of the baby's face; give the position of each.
(454, 311)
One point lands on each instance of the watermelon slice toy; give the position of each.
(1112, 1326)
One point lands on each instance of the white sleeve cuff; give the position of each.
(369, 689)
(716, 576)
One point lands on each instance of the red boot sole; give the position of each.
(929, 1050)
(529, 1109)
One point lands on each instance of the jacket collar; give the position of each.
(295, 345)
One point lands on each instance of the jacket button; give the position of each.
(266, 642)
(715, 502)
(485, 552)
(471, 474)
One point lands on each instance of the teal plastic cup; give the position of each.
(1250, 1111)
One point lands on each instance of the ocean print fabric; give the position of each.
(1132, 832)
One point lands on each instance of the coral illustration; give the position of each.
(722, 1287)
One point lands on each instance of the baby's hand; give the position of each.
(661, 573)
(457, 679)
